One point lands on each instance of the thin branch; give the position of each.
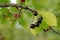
(20, 6)
(50, 28)
(55, 31)
(12, 5)
(15, 5)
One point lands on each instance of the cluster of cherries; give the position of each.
(37, 23)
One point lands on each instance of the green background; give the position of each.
(21, 31)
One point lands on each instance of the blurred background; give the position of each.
(16, 31)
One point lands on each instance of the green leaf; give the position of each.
(5, 16)
(49, 18)
(26, 18)
(22, 22)
(35, 31)
(44, 25)
(4, 1)
(13, 10)
(3, 11)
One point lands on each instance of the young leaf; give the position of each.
(35, 31)
(4, 1)
(49, 18)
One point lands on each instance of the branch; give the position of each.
(12, 5)
(55, 31)
(20, 6)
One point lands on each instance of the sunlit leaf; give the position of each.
(49, 18)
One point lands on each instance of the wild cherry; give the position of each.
(34, 12)
(16, 15)
(22, 0)
(39, 20)
(32, 26)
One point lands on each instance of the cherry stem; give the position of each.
(19, 10)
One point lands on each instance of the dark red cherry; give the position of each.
(34, 12)
(16, 15)
(39, 20)
(22, 0)
(41, 17)
(32, 26)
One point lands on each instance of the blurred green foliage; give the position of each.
(10, 30)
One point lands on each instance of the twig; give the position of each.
(55, 31)
(50, 28)
(12, 5)
(20, 6)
